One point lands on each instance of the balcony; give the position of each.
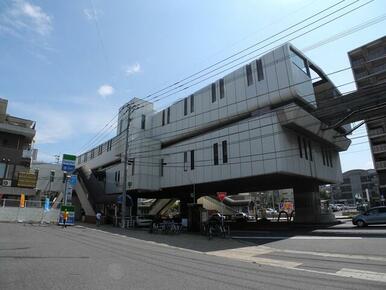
(380, 165)
(379, 148)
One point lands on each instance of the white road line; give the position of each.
(249, 254)
(360, 274)
(296, 238)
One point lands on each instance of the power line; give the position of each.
(271, 43)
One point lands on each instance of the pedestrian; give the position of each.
(83, 214)
(98, 218)
(65, 218)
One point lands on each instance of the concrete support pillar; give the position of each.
(134, 207)
(184, 210)
(307, 206)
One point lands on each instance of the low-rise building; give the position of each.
(16, 137)
(354, 186)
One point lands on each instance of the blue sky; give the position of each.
(70, 65)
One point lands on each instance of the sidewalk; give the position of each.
(188, 241)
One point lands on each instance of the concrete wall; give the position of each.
(28, 215)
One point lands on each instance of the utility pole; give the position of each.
(125, 168)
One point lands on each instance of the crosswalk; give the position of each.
(293, 259)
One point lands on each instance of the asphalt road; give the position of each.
(49, 257)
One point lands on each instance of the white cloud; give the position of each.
(92, 14)
(105, 90)
(62, 122)
(133, 69)
(22, 17)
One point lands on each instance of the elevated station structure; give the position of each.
(254, 129)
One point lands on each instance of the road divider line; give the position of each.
(295, 238)
(360, 274)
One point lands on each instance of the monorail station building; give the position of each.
(254, 129)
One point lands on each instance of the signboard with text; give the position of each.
(68, 162)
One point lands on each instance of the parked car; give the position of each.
(375, 215)
(240, 216)
(271, 212)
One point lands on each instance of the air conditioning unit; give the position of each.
(7, 182)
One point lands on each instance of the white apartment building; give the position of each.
(253, 129)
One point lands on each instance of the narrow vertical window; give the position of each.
(168, 116)
(330, 158)
(310, 150)
(191, 159)
(132, 166)
(85, 157)
(222, 88)
(121, 126)
(119, 176)
(213, 93)
(191, 103)
(224, 152)
(185, 106)
(215, 153)
(115, 176)
(300, 147)
(324, 156)
(143, 120)
(163, 118)
(249, 74)
(185, 160)
(305, 148)
(161, 171)
(260, 73)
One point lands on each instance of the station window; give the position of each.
(224, 152)
(222, 88)
(324, 157)
(191, 103)
(185, 160)
(109, 145)
(143, 121)
(168, 116)
(191, 159)
(132, 161)
(163, 118)
(215, 153)
(310, 150)
(85, 157)
(300, 147)
(92, 154)
(305, 148)
(259, 67)
(100, 149)
(185, 106)
(213, 93)
(248, 68)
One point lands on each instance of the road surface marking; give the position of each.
(328, 255)
(297, 238)
(249, 254)
(360, 274)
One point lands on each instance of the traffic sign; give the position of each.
(221, 195)
(73, 180)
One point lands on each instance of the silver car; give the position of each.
(375, 215)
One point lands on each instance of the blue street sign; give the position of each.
(68, 168)
(73, 180)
